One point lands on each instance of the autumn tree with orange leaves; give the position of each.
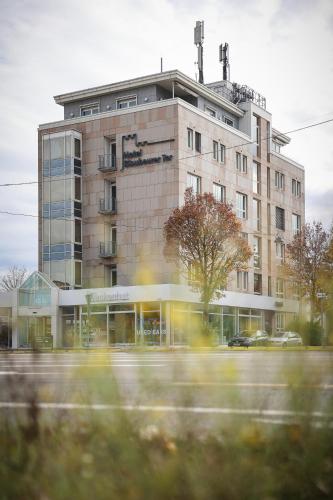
(309, 262)
(204, 236)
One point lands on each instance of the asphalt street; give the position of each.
(268, 386)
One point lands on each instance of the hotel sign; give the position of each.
(109, 297)
(135, 158)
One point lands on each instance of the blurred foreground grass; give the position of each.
(86, 454)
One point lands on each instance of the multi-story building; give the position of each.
(111, 172)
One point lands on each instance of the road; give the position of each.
(267, 386)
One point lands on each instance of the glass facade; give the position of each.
(61, 207)
(102, 325)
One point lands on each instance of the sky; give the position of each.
(281, 48)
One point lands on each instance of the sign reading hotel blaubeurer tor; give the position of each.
(135, 158)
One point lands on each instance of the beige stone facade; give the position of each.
(146, 193)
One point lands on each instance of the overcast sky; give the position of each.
(281, 48)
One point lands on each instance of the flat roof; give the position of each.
(165, 79)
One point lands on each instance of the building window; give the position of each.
(256, 170)
(280, 251)
(198, 142)
(194, 182)
(126, 102)
(268, 218)
(91, 109)
(238, 162)
(77, 148)
(219, 192)
(279, 180)
(279, 218)
(113, 275)
(228, 121)
(296, 187)
(241, 205)
(210, 111)
(190, 138)
(78, 273)
(279, 321)
(77, 188)
(256, 214)
(78, 230)
(215, 150)
(257, 252)
(222, 153)
(244, 164)
(257, 284)
(279, 288)
(242, 280)
(296, 223)
(241, 163)
(268, 182)
(276, 147)
(258, 134)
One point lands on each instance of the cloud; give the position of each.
(283, 49)
(320, 207)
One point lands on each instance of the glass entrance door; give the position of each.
(35, 332)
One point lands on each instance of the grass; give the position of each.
(85, 454)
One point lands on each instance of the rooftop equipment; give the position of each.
(198, 41)
(224, 59)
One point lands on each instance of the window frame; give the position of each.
(244, 209)
(256, 177)
(221, 188)
(215, 150)
(197, 142)
(228, 121)
(197, 178)
(283, 213)
(221, 153)
(295, 228)
(90, 107)
(242, 280)
(280, 181)
(190, 143)
(127, 99)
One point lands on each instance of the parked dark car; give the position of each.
(239, 341)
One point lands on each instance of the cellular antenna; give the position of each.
(198, 41)
(224, 59)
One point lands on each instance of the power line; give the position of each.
(127, 226)
(197, 155)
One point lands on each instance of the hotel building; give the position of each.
(111, 172)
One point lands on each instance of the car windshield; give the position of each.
(278, 335)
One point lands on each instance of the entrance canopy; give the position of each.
(36, 290)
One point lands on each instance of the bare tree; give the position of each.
(204, 236)
(13, 279)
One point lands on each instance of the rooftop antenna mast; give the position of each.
(224, 59)
(198, 41)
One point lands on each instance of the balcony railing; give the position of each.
(108, 206)
(107, 163)
(108, 249)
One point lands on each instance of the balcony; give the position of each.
(107, 249)
(107, 163)
(107, 206)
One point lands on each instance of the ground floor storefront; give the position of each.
(41, 315)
